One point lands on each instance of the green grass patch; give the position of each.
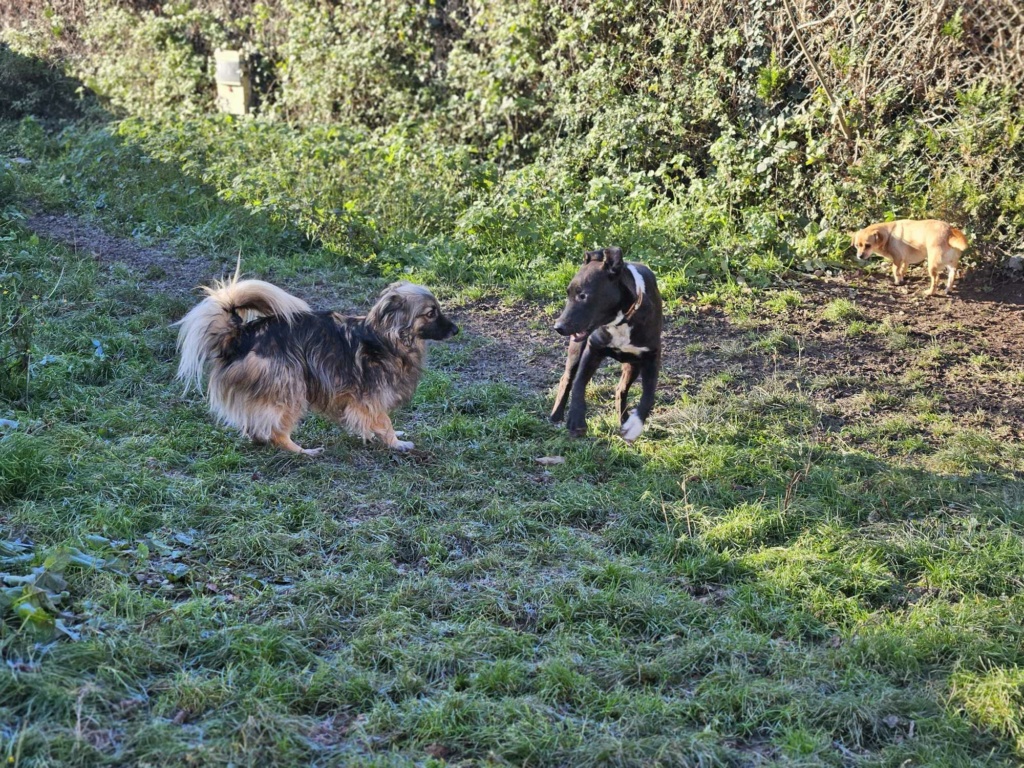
(741, 585)
(842, 311)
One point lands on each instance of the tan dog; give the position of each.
(906, 242)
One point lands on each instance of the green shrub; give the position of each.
(490, 142)
(148, 63)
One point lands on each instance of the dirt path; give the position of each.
(966, 352)
(159, 268)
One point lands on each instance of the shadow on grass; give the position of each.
(30, 87)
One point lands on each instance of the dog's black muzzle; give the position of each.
(440, 329)
(564, 328)
(571, 323)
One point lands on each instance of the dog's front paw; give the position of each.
(556, 416)
(632, 428)
(577, 425)
(403, 445)
(312, 451)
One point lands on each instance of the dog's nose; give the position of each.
(560, 329)
(454, 331)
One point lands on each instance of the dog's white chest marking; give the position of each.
(620, 336)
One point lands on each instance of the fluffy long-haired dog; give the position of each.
(270, 358)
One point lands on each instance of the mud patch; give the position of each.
(158, 268)
(964, 351)
(518, 351)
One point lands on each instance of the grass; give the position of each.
(742, 586)
(842, 311)
(781, 302)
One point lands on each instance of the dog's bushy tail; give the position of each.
(214, 323)
(957, 239)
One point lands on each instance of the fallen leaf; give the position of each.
(66, 630)
(175, 571)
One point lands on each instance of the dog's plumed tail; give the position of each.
(957, 239)
(214, 323)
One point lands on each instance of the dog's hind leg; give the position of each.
(281, 435)
(634, 425)
(934, 270)
(285, 442)
(629, 374)
(572, 364)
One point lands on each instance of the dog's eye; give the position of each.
(581, 296)
(431, 313)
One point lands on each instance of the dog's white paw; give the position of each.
(313, 451)
(632, 428)
(399, 433)
(403, 445)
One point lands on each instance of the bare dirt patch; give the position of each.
(965, 351)
(519, 350)
(157, 267)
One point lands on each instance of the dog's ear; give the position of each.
(613, 261)
(590, 256)
(389, 313)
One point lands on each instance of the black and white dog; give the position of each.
(613, 310)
